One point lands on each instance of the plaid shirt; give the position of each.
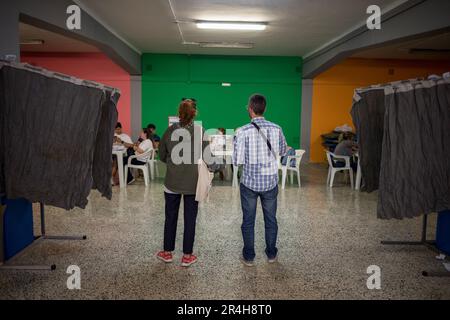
(250, 149)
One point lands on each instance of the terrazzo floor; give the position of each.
(327, 240)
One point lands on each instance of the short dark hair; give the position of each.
(151, 126)
(147, 132)
(118, 125)
(347, 136)
(257, 103)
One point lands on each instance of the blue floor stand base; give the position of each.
(8, 265)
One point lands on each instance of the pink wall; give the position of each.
(89, 66)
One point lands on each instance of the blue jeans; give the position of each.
(249, 199)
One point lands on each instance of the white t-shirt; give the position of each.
(145, 146)
(124, 137)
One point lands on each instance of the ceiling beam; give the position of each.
(51, 15)
(410, 20)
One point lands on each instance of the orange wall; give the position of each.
(333, 91)
(89, 66)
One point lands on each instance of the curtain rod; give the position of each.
(415, 81)
(389, 84)
(58, 75)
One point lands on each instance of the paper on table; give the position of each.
(118, 148)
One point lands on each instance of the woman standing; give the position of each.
(179, 151)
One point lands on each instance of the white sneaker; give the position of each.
(273, 260)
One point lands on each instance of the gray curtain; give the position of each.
(415, 160)
(102, 166)
(2, 239)
(368, 117)
(56, 138)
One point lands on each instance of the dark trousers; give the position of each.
(133, 161)
(353, 164)
(190, 218)
(249, 199)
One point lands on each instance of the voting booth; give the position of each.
(2, 241)
(17, 226)
(443, 232)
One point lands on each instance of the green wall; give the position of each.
(166, 78)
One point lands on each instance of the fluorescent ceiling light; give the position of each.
(222, 25)
(33, 41)
(234, 45)
(191, 43)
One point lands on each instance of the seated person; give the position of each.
(153, 136)
(138, 149)
(234, 141)
(290, 152)
(139, 140)
(122, 138)
(347, 147)
(222, 144)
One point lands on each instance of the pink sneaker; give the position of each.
(187, 261)
(165, 256)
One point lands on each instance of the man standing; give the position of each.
(256, 147)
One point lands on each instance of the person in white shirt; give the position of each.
(143, 147)
(221, 144)
(121, 137)
(139, 149)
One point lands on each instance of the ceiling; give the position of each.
(438, 48)
(296, 27)
(53, 42)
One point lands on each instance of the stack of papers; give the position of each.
(118, 147)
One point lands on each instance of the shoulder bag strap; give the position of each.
(269, 145)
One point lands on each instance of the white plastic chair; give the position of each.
(284, 169)
(332, 169)
(143, 167)
(153, 163)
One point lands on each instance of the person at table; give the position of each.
(139, 149)
(347, 147)
(221, 141)
(153, 136)
(139, 139)
(234, 139)
(122, 138)
(289, 152)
